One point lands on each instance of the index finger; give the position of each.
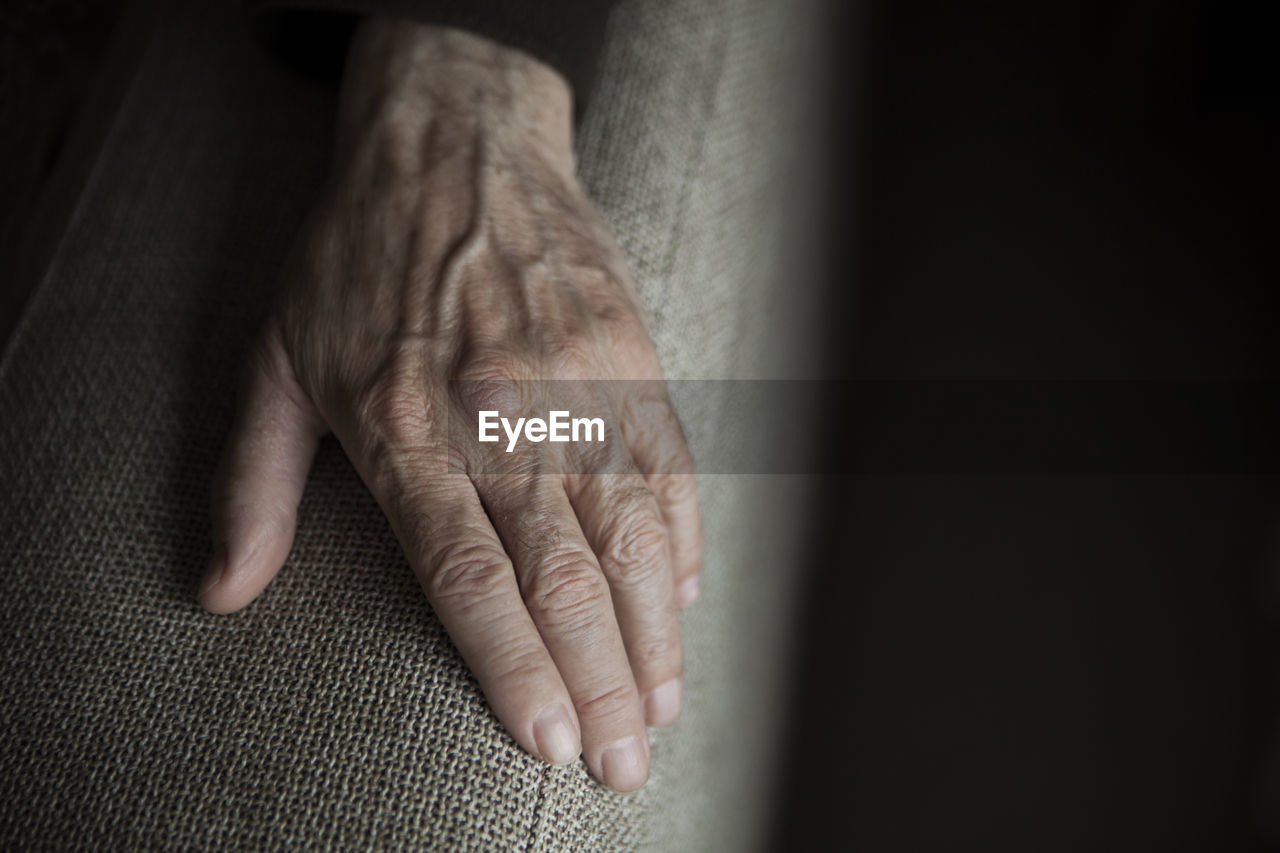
(471, 584)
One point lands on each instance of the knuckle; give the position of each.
(573, 357)
(674, 488)
(656, 651)
(612, 311)
(541, 537)
(494, 378)
(654, 425)
(620, 325)
(610, 701)
(681, 457)
(569, 594)
(517, 661)
(395, 407)
(637, 549)
(468, 572)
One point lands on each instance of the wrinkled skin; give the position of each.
(453, 242)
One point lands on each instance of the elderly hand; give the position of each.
(453, 242)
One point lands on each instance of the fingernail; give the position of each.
(555, 735)
(217, 568)
(662, 705)
(625, 764)
(687, 592)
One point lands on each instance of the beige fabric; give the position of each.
(335, 711)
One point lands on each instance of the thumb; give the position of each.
(259, 482)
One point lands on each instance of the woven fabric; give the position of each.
(334, 711)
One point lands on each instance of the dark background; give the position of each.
(51, 54)
(1034, 191)
(1047, 191)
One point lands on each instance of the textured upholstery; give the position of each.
(334, 710)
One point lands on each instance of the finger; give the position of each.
(568, 597)
(259, 482)
(471, 585)
(624, 527)
(652, 432)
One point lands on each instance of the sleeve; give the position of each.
(565, 34)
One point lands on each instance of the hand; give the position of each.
(454, 242)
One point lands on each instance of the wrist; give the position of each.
(405, 80)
